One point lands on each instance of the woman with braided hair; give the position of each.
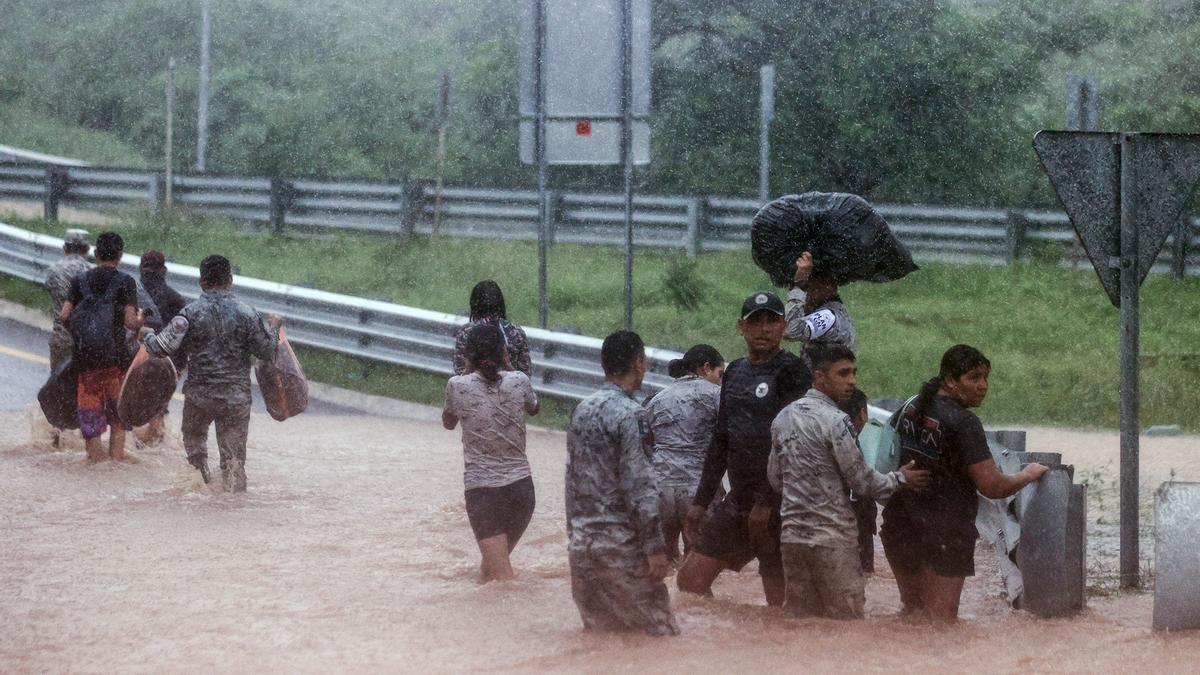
(929, 535)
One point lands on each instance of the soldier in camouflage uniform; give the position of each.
(58, 284)
(680, 420)
(218, 333)
(814, 458)
(615, 542)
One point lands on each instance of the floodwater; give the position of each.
(351, 552)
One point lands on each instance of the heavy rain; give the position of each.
(597, 335)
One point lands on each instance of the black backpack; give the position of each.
(93, 325)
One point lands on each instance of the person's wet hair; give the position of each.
(215, 270)
(487, 300)
(153, 263)
(109, 247)
(485, 350)
(823, 356)
(694, 360)
(956, 362)
(856, 404)
(620, 351)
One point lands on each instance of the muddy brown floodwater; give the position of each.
(352, 552)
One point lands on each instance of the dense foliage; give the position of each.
(912, 100)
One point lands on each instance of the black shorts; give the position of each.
(501, 510)
(726, 537)
(910, 546)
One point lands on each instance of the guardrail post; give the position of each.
(411, 200)
(697, 218)
(283, 193)
(554, 206)
(1179, 247)
(158, 193)
(58, 181)
(1015, 227)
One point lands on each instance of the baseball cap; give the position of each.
(79, 237)
(762, 300)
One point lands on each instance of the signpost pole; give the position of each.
(766, 111)
(1130, 391)
(539, 69)
(627, 148)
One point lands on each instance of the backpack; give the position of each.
(92, 325)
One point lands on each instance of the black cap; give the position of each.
(762, 300)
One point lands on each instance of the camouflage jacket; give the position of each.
(814, 460)
(58, 284)
(218, 333)
(829, 323)
(681, 420)
(611, 493)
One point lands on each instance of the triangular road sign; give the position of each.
(1085, 170)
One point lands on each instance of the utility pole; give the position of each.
(202, 105)
(443, 119)
(766, 111)
(168, 159)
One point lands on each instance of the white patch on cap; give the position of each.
(760, 299)
(762, 389)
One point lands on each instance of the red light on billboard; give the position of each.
(583, 128)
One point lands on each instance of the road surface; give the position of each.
(351, 553)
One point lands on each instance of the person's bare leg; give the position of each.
(774, 588)
(912, 596)
(116, 443)
(496, 565)
(95, 449)
(697, 573)
(941, 595)
(156, 431)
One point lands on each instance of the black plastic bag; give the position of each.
(848, 239)
(58, 397)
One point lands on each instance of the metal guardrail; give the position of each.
(566, 366)
(694, 224)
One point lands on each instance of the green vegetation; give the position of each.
(1051, 333)
(906, 100)
(24, 127)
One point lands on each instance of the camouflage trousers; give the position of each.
(613, 593)
(823, 581)
(61, 348)
(232, 420)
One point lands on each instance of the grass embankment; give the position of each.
(1051, 333)
(23, 127)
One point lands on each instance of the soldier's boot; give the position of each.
(233, 475)
(200, 462)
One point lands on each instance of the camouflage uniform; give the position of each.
(218, 333)
(828, 324)
(681, 420)
(612, 518)
(58, 284)
(814, 458)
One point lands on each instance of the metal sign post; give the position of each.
(627, 148)
(585, 100)
(766, 112)
(1130, 350)
(1124, 193)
